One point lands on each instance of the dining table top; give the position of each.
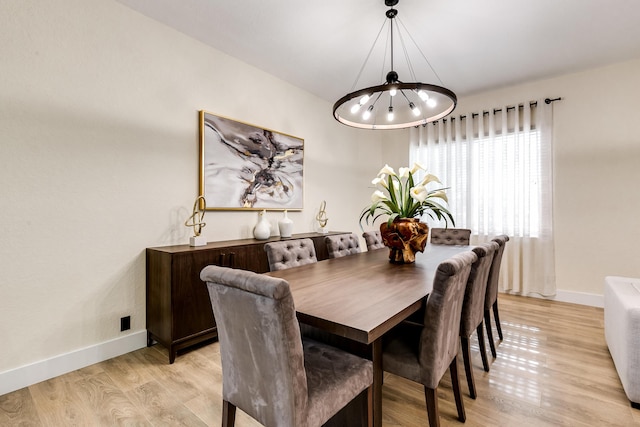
(362, 296)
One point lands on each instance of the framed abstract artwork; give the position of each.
(246, 167)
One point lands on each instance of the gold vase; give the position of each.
(404, 237)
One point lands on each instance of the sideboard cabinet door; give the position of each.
(179, 313)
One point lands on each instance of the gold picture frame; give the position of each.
(246, 167)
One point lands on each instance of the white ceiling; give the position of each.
(473, 45)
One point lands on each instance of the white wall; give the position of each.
(395, 150)
(597, 170)
(99, 160)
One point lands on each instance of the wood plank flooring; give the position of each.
(553, 368)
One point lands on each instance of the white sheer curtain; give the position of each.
(499, 170)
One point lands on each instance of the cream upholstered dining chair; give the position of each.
(422, 353)
(290, 253)
(373, 239)
(340, 245)
(450, 236)
(491, 297)
(473, 310)
(268, 370)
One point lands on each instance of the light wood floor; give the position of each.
(553, 368)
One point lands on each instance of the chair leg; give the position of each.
(466, 356)
(455, 382)
(367, 416)
(496, 316)
(487, 322)
(483, 347)
(228, 414)
(431, 396)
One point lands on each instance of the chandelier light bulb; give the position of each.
(423, 95)
(393, 92)
(390, 115)
(367, 113)
(416, 111)
(355, 108)
(364, 100)
(431, 102)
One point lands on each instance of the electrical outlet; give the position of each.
(125, 323)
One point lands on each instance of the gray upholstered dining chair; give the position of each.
(450, 236)
(373, 239)
(422, 353)
(290, 253)
(340, 245)
(268, 370)
(473, 310)
(491, 297)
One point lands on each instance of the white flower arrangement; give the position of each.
(398, 196)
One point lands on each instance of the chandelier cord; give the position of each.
(368, 55)
(406, 58)
(422, 53)
(391, 24)
(383, 70)
(404, 48)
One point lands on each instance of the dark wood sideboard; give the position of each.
(179, 313)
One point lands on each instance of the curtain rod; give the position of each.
(509, 108)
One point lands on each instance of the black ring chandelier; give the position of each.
(394, 104)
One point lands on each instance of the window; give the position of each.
(498, 171)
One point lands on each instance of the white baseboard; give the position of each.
(572, 297)
(592, 300)
(27, 375)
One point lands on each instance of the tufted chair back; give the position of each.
(423, 352)
(290, 253)
(473, 307)
(473, 310)
(268, 370)
(450, 236)
(263, 373)
(373, 240)
(491, 295)
(440, 335)
(341, 245)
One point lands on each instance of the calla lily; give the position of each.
(380, 180)
(416, 167)
(440, 194)
(378, 196)
(388, 170)
(419, 193)
(398, 196)
(430, 178)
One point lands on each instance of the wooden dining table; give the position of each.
(360, 297)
